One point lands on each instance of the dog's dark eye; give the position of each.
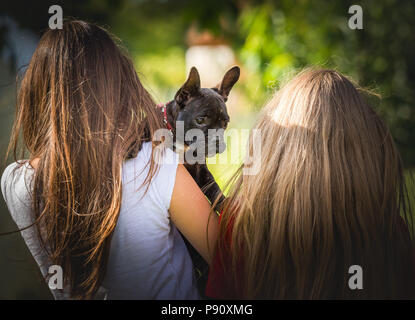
(200, 120)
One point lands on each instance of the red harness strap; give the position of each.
(165, 121)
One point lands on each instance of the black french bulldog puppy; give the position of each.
(203, 109)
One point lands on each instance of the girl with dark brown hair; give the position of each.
(91, 197)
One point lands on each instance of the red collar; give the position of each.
(164, 111)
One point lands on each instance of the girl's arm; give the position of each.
(189, 211)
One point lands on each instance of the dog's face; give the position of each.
(205, 109)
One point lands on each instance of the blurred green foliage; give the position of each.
(280, 37)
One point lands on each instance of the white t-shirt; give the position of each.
(148, 258)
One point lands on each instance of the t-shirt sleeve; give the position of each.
(165, 177)
(6, 179)
(15, 186)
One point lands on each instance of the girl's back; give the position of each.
(329, 194)
(148, 258)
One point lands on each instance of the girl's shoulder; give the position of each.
(136, 170)
(16, 186)
(16, 180)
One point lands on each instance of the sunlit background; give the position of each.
(269, 40)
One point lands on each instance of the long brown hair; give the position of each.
(81, 110)
(328, 195)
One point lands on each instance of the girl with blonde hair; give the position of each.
(330, 194)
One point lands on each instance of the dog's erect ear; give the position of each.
(228, 81)
(190, 88)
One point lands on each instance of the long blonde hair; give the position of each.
(328, 195)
